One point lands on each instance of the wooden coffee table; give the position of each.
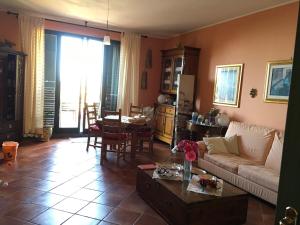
(180, 207)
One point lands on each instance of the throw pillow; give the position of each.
(215, 145)
(274, 158)
(231, 144)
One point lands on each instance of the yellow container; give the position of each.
(9, 149)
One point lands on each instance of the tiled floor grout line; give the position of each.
(85, 167)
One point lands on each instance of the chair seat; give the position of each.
(144, 134)
(95, 129)
(115, 136)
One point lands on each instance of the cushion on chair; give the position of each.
(254, 141)
(95, 129)
(261, 175)
(228, 161)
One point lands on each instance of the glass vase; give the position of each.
(187, 170)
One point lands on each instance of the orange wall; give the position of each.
(9, 29)
(148, 96)
(253, 40)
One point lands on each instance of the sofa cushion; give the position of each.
(228, 161)
(254, 141)
(215, 145)
(274, 158)
(261, 175)
(231, 144)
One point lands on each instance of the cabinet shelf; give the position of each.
(183, 60)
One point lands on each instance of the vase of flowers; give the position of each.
(190, 149)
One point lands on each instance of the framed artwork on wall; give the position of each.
(278, 81)
(227, 85)
(144, 80)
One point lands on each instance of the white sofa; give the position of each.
(256, 169)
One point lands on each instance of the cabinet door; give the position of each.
(10, 93)
(166, 82)
(19, 87)
(169, 125)
(160, 123)
(177, 70)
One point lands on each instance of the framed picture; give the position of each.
(144, 80)
(227, 85)
(278, 81)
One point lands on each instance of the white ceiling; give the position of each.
(152, 17)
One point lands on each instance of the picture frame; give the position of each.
(144, 80)
(278, 81)
(227, 85)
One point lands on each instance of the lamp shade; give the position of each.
(106, 40)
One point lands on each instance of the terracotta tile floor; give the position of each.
(58, 182)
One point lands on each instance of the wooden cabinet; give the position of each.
(183, 60)
(175, 62)
(11, 95)
(164, 126)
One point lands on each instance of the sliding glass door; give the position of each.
(80, 81)
(70, 82)
(86, 72)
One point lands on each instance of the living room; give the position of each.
(254, 38)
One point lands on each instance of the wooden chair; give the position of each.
(113, 135)
(93, 129)
(145, 134)
(135, 110)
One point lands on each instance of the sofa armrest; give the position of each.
(201, 149)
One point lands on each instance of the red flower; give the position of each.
(190, 148)
(190, 156)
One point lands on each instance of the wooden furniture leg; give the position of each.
(134, 141)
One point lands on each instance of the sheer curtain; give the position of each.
(129, 71)
(32, 44)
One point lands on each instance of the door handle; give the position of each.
(290, 217)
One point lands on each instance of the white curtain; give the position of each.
(32, 44)
(128, 89)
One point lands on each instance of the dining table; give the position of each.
(132, 125)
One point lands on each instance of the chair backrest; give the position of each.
(111, 122)
(135, 110)
(91, 113)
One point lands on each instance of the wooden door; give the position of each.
(169, 125)
(289, 184)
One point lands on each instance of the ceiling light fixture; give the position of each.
(106, 39)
